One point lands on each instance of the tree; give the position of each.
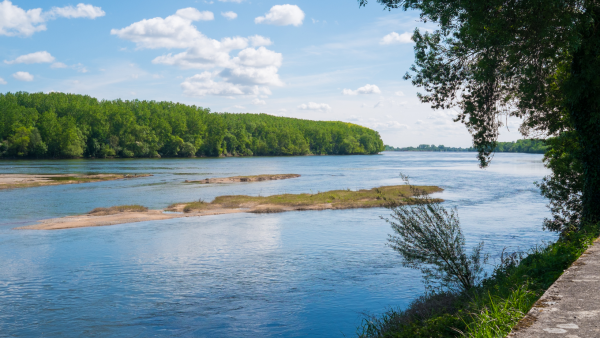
(429, 238)
(534, 59)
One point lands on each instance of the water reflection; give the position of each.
(241, 275)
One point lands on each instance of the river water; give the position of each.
(296, 274)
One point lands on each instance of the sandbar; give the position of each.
(330, 200)
(12, 181)
(238, 179)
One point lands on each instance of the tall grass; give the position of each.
(491, 309)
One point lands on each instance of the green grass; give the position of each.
(492, 309)
(338, 199)
(118, 209)
(72, 178)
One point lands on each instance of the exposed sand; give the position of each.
(11, 181)
(89, 220)
(238, 179)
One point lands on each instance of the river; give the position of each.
(296, 274)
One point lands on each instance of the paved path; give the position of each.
(570, 308)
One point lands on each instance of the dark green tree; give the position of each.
(534, 59)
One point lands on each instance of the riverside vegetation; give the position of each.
(335, 199)
(58, 125)
(519, 146)
(461, 300)
(479, 61)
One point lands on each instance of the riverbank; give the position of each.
(244, 179)
(502, 301)
(13, 181)
(330, 200)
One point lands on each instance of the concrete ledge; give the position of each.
(570, 308)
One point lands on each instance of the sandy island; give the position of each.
(330, 200)
(11, 181)
(238, 179)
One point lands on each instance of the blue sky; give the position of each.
(320, 60)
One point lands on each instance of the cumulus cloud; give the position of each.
(57, 65)
(205, 84)
(258, 41)
(229, 15)
(394, 38)
(23, 76)
(174, 31)
(259, 102)
(239, 107)
(282, 15)
(15, 21)
(368, 89)
(2, 82)
(81, 11)
(37, 57)
(399, 93)
(322, 107)
(249, 72)
(389, 125)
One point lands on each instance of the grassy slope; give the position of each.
(492, 309)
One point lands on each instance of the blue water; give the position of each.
(296, 274)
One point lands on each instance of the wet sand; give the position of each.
(239, 179)
(12, 181)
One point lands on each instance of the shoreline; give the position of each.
(244, 179)
(15, 181)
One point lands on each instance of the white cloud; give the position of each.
(258, 41)
(282, 15)
(323, 107)
(379, 105)
(282, 110)
(204, 84)
(368, 89)
(399, 93)
(175, 31)
(57, 65)
(259, 102)
(239, 107)
(2, 81)
(229, 15)
(389, 125)
(394, 38)
(81, 11)
(236, 1)
(15, 21)
(37, 57)
(251, 67)
(23, 76)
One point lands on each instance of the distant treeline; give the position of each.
(520, 146)
(58, 125)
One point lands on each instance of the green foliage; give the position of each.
(58, 125)
(520, 146)
(533, 59)
(429, 239)
(564, 186)
(493, 308)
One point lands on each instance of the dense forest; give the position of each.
(520, 146)
(58, 125)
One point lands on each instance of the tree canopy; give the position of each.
(538, 60)
(58, 125)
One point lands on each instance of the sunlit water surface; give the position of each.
(296, 274)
